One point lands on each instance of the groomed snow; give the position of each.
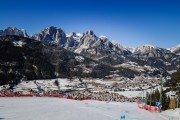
(172, 114)
(63, 109)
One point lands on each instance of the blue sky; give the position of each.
(130, 22)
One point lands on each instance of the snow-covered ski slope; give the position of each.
(42, 108)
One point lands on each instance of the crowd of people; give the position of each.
(76, 95)
(11, 93)
(102, 96)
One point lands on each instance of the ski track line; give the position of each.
(100, 112)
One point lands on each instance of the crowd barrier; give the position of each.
(148, 107)
(14, 94)
(17, 95)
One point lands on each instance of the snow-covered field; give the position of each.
(95, 85)
(42, 108)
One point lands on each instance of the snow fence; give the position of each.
(148, 107)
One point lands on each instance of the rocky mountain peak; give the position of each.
(11, 28)
(88, 39)
(52, 35)
(72, 34)
(104, 38)
(24, 33)
(13, 31)
(150, 51)
(50, 30)
(176, 50)
(90, 32)
(145, 48)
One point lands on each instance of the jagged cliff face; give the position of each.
(13, 31)
(52, 35)
(88, 39)
(87, 44)
(97, 47)
(150, 51)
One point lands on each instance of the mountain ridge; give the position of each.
(34, 36)
(147, 60)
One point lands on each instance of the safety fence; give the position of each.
(16, 95)
(56, 95)
(148, 107)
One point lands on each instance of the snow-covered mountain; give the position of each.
(146, 58)
(176, 50)
(88, 42)
(13, 31)
(88, 39)
(150, 51)
(75, 36)
(91, 45)
(52, 35)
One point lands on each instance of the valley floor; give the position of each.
(42, 108)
